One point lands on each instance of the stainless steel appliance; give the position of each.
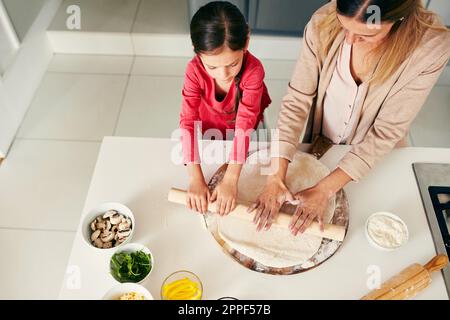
(433, 180)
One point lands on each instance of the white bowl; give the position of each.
(116, 292)
(133, 247)
(373, 242)
(100, 210)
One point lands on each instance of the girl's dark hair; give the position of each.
(216, 24)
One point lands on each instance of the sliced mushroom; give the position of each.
(101, 225)
(98, 243)
(99, 219)
(123, 233)
(109, 214)
(120, 240)
(93, 227)
(124, 225)
(115, 219)
(107, 236)
(108, 225)
(95, 235)
(115, 228)
(107, 245)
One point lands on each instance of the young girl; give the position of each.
(223, 89)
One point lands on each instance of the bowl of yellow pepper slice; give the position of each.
(182, 285)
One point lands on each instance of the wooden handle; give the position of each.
(409, 281)
(331, 231)
(389, 286)
(437, 263)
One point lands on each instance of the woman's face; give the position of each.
(357, 31)
(224, 65)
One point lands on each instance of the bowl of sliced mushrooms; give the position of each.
(108, 226)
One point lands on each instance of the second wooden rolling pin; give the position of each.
(408, 282)
(331, 231)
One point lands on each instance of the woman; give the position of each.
(356, 82)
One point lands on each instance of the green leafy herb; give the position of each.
(130, 267)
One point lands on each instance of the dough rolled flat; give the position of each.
(276, 247)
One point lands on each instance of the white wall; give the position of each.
(441, 7)
(24, 74)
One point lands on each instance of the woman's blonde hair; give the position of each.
(410, 18)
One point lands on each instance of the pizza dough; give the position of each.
(276, 247)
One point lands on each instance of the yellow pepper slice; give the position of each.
(183, 289)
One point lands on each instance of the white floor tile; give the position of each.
(99, 15)
(277, 89)
(100, 43)
(80, 63)
(431, 127)
(74, 107)
(43, 184)
(151, 107)
(160, 66)
(162, 16)
(33, 263)
(278, 69)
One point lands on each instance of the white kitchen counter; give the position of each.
(138, 172)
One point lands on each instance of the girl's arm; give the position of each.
(198, 193)
(227, 190)
(189, 115)
(248, 113)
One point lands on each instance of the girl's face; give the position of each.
(224, 65)
(357, 31)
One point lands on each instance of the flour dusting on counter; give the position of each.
(386, 231)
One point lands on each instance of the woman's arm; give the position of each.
(394, 119)
(302, 89)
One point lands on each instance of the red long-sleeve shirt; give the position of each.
(199, 105)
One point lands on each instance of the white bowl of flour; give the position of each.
(386, 231)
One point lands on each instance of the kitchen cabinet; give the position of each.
(287, 17)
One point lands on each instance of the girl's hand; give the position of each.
(225, 194)
(269, 202)
(198, 195)
(312, 205)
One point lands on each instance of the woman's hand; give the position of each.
(312, 205)
(269, 202)
(225, 194)
(226, 191)
(314, 201)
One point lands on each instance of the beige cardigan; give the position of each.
(388, 108)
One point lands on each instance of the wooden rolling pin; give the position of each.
(331, 231)
(408, 282)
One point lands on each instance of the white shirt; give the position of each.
(342, 101)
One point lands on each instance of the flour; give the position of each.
(387, 231)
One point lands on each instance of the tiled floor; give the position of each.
(125, 16)
(44, 180)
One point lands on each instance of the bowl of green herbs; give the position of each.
(132, 262)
